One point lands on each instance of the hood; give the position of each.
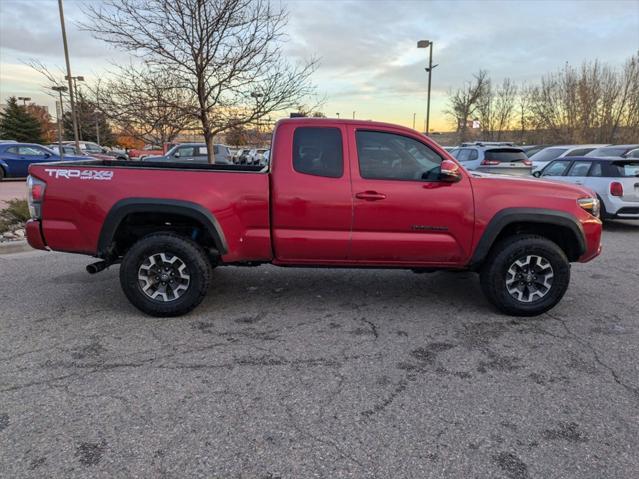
(533, 183)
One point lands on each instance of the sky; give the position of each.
(367, 49)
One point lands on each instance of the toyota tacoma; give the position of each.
(336, 193)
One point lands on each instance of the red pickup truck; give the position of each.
(337, 193)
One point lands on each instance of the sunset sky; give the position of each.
(369, 62)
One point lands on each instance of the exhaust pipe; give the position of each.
(97, 267)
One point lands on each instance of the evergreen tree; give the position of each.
(87, 115)
(17, 124)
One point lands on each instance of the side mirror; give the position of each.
(176, 154)
(47, 155)
(450, 172)
(537, 174)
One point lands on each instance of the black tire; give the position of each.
(1, 174)
(198, 268)
(504, 255)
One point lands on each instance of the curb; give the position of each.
(14, 247)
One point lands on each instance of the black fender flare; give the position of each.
(508, 216)
(123, 208)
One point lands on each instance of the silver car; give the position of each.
(614, 180)
(545, 156)
(194, 153)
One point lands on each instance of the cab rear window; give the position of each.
(318, 151)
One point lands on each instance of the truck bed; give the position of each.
(170, 165)
(80, 196)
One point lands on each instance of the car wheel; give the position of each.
(525, 275)
(165, 274)
(1, 174)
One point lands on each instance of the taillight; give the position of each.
(527, 162)
(35, 195)
(616, 189)
(490, 162)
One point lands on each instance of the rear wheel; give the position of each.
(1, 174)
(165, 274)
(525, 275)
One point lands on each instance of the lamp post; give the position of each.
(66, 58)
(60, 89)
(353, 115)
(428, 44)
(24, 100)
(96, 113)
(414, 116)
(337, 115)
(76, 79)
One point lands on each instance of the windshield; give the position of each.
(548, 154)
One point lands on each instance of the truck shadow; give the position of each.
(621, 225)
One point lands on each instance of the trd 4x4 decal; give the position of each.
(81, 174)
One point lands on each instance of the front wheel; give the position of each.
(165, 274)
(525, 275)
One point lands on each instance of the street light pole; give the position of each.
(97, 126)
(60, 89)
(428, 44)
(414, 116)
(337, 115)
(69, 77)
(353, 115)
(24, 100)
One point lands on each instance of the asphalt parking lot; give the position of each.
(298, 373)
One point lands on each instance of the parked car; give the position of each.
(149, 150)
(530, 150)
(393, 199)
(615, 181)
(256, 156)
(618, 151)
(66, 150)
(241, 157)
(15, 158)
(632, 153)
(96, 151)
(545, 156)
(493, 159)
(193, 153)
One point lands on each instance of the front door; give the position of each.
(402, 213)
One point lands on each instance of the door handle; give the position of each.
(370, 196)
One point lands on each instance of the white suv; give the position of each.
(492, 158)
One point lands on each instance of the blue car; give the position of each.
(15, 158)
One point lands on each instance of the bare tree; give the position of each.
(226, 53)
(505, 98)
(463, 102)
(148, 105)
(485, 110)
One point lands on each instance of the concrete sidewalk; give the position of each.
(10, 189)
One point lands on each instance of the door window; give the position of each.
(579, 168)
(463, 154)
(473, 155)
(318, 151)
(579, 152)
(556, 168)
(596, 170)
(30, 151)
(387, 156)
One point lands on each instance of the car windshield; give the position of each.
(548, 154)
(626, 168)
(609, 151)
(505, 155)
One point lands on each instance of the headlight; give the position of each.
(591, 205)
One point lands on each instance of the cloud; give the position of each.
(367, 49)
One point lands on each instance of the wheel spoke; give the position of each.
(163, 277)
(529, 278)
